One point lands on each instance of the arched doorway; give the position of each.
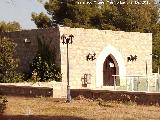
(118, 61)
(109, 68)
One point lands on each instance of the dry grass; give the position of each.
(50, 109)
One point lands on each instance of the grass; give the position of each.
(22, 108)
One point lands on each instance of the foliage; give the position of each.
(41, 20)
(126, 17)
(156, 47)
(8, 64)
(3, 101)
(43, 65)
(10, 26)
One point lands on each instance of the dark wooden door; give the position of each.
(109, 69)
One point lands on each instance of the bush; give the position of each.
(42, 71)
(43, 67)
(12, 77)
(3, 101)
(8, 64)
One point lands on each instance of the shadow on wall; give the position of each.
(39, 117)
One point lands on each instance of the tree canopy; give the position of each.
(127, 16)
(9, 26)
(116, 16)
(41, 20)
(8, 63)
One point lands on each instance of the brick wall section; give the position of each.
(93, 40)
(25, 52)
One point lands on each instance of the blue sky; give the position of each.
(20, 11)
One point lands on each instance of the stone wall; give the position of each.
(30, 89)
(92, 40)
(141, 98)
(120, 44)
(26, 91)
(25, 51)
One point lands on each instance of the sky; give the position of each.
(20, 11)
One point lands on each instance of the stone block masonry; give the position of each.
(27, 46)
(119, 44)
(105, 42)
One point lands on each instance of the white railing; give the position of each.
(147, 83)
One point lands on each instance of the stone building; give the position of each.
(94, 56)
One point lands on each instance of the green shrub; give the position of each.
(43, 67)
(12, 77)
(8, 64)
(42, 71)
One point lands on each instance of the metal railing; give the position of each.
(146, 83)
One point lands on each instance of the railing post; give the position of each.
(147, 83)
(157, 81)
(137, 83)
(132, 84)
(127, 83)
(156, 84)
(114, 83)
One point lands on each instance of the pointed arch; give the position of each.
(110, 67)
(100, 61)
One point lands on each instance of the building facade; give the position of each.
(95, 56)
